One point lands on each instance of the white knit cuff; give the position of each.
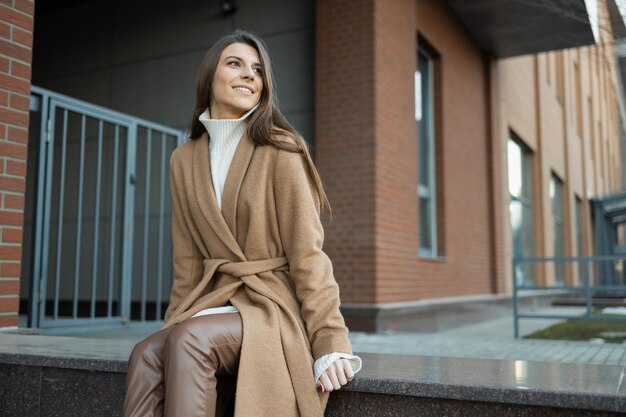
(216, 310)
(323, 362)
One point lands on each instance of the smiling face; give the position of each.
(237, 82)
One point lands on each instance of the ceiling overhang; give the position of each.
(612, 206)
(508, 28)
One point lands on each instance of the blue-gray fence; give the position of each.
(101, 237)
(580, 281)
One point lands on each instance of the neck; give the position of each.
(224, 133)
(218, 114)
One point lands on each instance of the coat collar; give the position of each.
(224, 221)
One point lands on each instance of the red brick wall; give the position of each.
(16, 38)
(398, 276)
(345, 140)
(463, 138)
(366, 143)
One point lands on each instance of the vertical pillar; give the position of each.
(345, 140)
(16, 40)
(366, 151)
(498, 190)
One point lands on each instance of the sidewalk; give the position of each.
(491, 339)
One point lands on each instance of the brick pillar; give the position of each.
(16, 40)
(400, 277)
(366, 149)
(345, 142)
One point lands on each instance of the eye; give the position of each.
(233, 63)
(258, 70)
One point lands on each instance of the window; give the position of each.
(521, 207)
(579, 237)
(579, 226)
(424, 116)
(556, 197)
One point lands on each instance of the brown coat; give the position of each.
(263, 253)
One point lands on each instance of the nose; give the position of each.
(248, 72)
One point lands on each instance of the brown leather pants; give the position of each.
(174, 372)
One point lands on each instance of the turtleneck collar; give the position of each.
(224, 133)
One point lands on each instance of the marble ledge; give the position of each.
(65, 352)
(563, 385)
(567, 385)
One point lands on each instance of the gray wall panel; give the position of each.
(72, 41)
(293, 68)
(303, 122)
(275, 16)
(142, 57)
(148, 30)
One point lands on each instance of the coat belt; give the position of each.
(240, 269)
(246, 272)
(245, 268)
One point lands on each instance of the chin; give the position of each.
(247, 107)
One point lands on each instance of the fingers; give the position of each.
(325, 382)
(340, 374)
(337, 374)
(332, 376)
(347, 368)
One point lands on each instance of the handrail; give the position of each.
(585, 287)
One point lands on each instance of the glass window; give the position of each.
(579, 227)
(579, 237)
(424, 116)
(521, 208)
(556, 197)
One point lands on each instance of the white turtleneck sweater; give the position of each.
(224, 136)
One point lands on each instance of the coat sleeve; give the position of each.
(302, 236)
(188, 266)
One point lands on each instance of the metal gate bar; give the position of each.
(79, 218)
(109, 124)
(60, 218)
(97, 222)
(160, 237)
(155, 176)
(113, 205)
(146, 224)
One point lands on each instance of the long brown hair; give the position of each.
(267, 123)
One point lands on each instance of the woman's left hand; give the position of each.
(337, 374)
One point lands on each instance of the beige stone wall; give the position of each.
(563, 106)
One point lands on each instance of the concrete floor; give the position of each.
(499, 328)
(489, 339)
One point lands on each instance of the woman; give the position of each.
(254, 295)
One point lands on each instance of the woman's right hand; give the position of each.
(337, 375)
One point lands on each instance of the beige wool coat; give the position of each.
(262, 252)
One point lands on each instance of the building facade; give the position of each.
(447, 143)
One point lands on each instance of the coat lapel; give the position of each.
(234, 179)
(205, 195)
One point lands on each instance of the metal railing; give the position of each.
(91, 241)
(580, 285)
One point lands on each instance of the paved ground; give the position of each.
(464, 342)
(491, 339)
